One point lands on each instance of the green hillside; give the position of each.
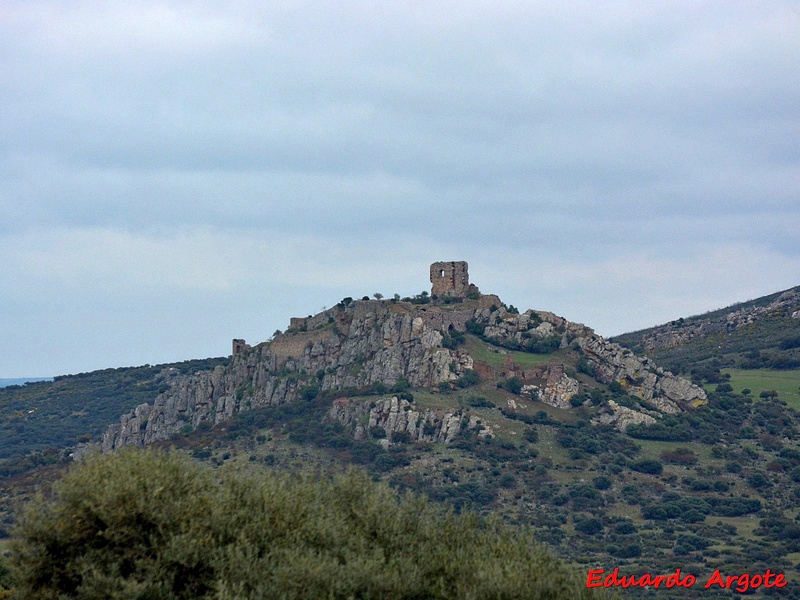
(715, 488)
(712, 488)
(39, 419)
(758, 334)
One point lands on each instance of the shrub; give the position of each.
(724, 388)
(402, 437)
(475, 328)
(584, 366)
(378, 388)
(692, 541)
(147, 524)
(577, 400)
(531, 435)
(652, 467)
(602, 482)
(421, 298)
(679, 456)
(377, 432)
(402, 385)
(629, 551)
(470, 377)
(6, 579)
(668, 429)
(758, 480)
(508, 481)
(452, 339)
(733, 467)
(733, 507)
(480, 402)
(512, 384)
(590, 526)
(693, 516)
(625, 528)
(542, 345)
(309, 392)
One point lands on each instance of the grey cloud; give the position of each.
(502, 133)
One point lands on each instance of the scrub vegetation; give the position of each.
(712, 488)
(152, 524)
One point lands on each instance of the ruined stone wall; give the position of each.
(239, 346)
(450, 278)
(298, 323)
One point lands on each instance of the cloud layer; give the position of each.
(173, 176)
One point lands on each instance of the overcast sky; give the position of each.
(173, 175)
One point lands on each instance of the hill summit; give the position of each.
(758, 334)
(452, 338)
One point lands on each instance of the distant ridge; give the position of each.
(22, 380)
(757, 334)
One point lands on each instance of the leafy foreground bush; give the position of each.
(148, 524)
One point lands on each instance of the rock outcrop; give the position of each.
(682, 331)
(605, 361)
(371, 345)
(622, 417)
(640, 377)
(393, 415)
(557, 388)
(356, 346)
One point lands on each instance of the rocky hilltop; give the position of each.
(724, 322)
(371, 346)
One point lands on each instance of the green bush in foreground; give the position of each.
(148, 524)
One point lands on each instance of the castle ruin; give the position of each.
(239, 346)
(450, 279)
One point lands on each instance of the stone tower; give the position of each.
(450, 279)
(239, 346)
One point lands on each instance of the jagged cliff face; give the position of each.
(395, 415)
(354, 346)
(660, 390)
(367, 343)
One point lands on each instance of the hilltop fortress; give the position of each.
(360, 348)
(451, 279)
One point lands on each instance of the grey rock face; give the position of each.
(608, 362)
(558, 388)
(397, 416)
(680, 332)
(640, 376)
(623, 417)
(365, 343)
(374, 343)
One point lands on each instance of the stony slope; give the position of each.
(48, 416)
(364, 345)
(676, 333)
(761, 333)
